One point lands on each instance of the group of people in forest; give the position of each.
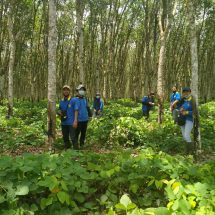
(181, 108)
(75, 113)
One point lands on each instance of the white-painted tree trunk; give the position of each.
(52, 41)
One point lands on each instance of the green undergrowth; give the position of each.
(123, 124)
(26, 127)
(132, 167)
(123, 182)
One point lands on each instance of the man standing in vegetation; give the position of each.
(81, 126)
(68, 111)
(174, 102)
(147, 104)
(186, 109)
(97, 105)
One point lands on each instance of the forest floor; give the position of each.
(125, 157)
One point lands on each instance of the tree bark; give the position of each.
(80, 12)
(52, 41)
(160, 81)
(194, 80)
(12, 48)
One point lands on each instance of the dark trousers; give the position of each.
(81, 130)
(69, 136)
(146, 114)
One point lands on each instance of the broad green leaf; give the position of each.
(79, 197)
(134, 188)
(103, 198)
(131, 206)
(63, 197)
(120, 206)
(45, 202)
(111, 212)
(89, 205)
(184, 206)
(22, 190)
(161, 211)
(125, 200)
(175, 205)
(64, 186)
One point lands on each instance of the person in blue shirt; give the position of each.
(174, 102)
(68, 111)
(83, 117)
(174, 98)
(147, 104)
(186, 109)
(97, 105)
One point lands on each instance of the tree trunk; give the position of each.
(167, 12)
(2, 78)
(194, 80)
(80, 12)
(52, 41)
(12, 48)
(160, 82)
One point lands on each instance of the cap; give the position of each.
(66, 87)
(186, 89)
(81, 86)
(98, 94)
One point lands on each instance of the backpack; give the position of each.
(178, 118)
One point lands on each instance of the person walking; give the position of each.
(68, 112)
(186, 110)
(97, 105)
(147, 104)
(83, 115)
(174, 103)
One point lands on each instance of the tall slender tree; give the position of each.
(167, 9)
(52, 42)
(80, 33)
(194, 69)
(12, 48)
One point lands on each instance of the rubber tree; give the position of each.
(12, 48)
(194, 70)
(52, 44)
(167, 11)
(80, 33)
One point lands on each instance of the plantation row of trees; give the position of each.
(122, 48)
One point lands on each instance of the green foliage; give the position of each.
(79, 182)
(26, 127)
(137, 178)
(123, 124)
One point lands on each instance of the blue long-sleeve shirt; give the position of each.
(82, 109)
(98, 104)
(145, 102)
(70, 106)
(187, 106)
(175, 96)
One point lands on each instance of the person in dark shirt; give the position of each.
(97, 105)
(147, 104)
(186, 109)
(174, 103)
